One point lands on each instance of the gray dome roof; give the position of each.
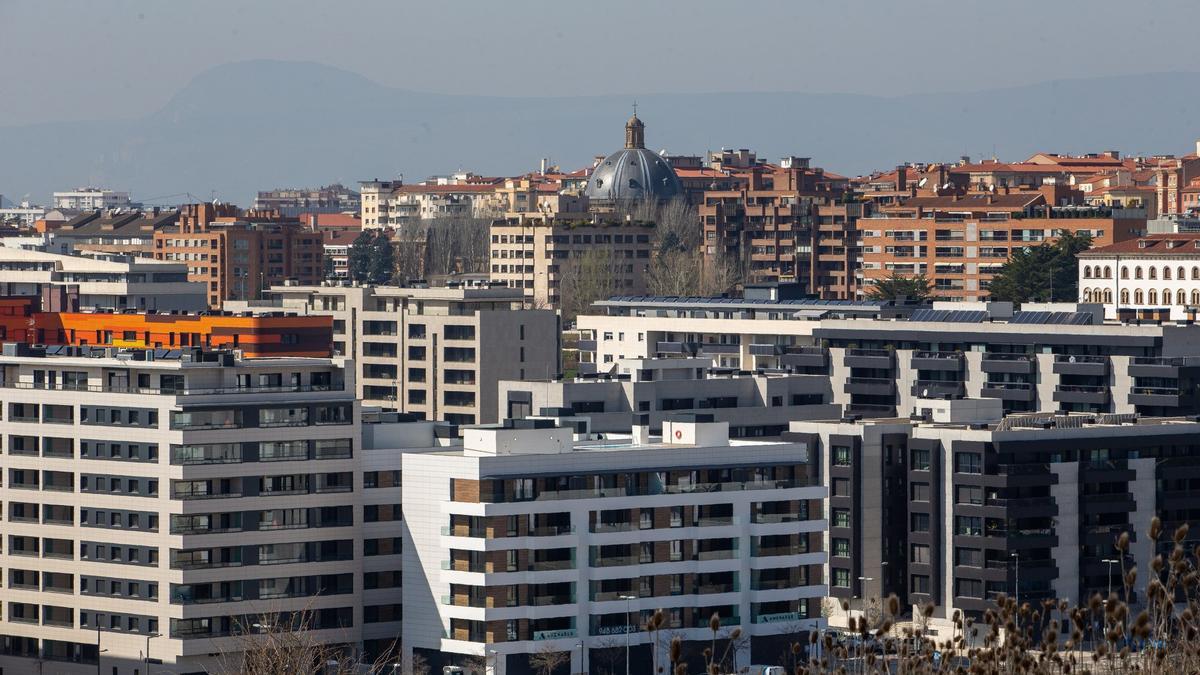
(633, 174)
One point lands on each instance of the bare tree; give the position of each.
(547, 660)
(409, 241)
(456, 245)
(585, 280)
(283, 643)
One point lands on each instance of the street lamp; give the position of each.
(148, 638)
(1110, 562)
(98, 650)
(1016, 579)
(628, 625)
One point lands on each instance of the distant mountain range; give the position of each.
(263, 124)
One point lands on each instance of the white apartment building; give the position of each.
(435, 352)
(527, 538)
(101, 281)
(169, 501)
(392, 203)
(654, 390)
(90, 199)
(1157, 276)
(24, 214)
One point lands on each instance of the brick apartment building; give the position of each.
(238, 256)
(779, 219)
(959, 242)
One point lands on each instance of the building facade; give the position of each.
(1156, 276)
(238, 257)
(91, 199)
(1042, 358)
(973, 506)
(171, 503)
(753, 405)
(960, 242)
(525, 539)
(536, 255)
(437, 353)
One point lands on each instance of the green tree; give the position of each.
(896, 286)
(381, 264)
(1042, 273)
(358, 259)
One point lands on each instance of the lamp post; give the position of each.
(1016, 579)
(98, 650)
(628, 625)
(1110, 562)
(148, 638)
(862, 647)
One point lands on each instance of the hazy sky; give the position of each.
(89, 59)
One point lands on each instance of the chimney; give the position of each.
(543, 166)
(901, 178)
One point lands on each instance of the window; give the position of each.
(968, 462)
(919, 522)
(841, 487)
(968, 494)
(920, 554)
(968, 588)
(968, 557)
(920, 492)
(969, 526)
(920, 583)
(920, 460)
(841, 578)
(841, 517)
(841, 548)
(841, 455)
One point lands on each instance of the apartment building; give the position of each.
(973, 505)
(90, 199)
(770, 225)
(525, 538)
(392, 203)
(435, 352)
(752, 404)
(959, 242)
(335, 198)
(1156, 277)
(123, 233)
(100, 281)
(158, 505)
(881, 358)
(237, 257)
(535, 254)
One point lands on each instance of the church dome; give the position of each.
(633, 173)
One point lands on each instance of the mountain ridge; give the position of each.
(256, 125)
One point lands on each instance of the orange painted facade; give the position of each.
(256, 336)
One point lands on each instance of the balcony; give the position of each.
(871, 386)
(1008, 391)
(708, 349)
(870, 358)
(805, 357)
(585, 345)
(1081, 364)
(937, 361)
(1167, 397)
(688, 348)
(1000, 362)
(1076, 393)
(1162, 368)
(938, 389)
(765, 350)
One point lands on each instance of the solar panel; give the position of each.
(949, 315)
(1053, 318)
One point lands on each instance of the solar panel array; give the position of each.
(813, 302)
(949, 315)
(1053, 318)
